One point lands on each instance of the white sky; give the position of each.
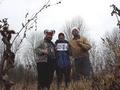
(95, 13)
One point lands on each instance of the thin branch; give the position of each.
(29, 20)
(27, 24)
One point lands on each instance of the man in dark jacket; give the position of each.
(63, 60)
(46, 61)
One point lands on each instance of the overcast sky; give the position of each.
(95, 13)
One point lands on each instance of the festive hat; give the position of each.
(49, 32)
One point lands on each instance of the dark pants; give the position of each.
(63, 72)
(45, 75)
(83, 67)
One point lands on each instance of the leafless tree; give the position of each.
(33, 40)
(111, 43)
(75, 22)
(8, 56)
(116, 11)
(95, 57)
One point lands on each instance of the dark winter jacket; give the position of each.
(62, 53)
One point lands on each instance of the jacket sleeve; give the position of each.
(69, 49)
(39, 49)
(85, 44)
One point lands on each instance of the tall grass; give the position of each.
(101, 81)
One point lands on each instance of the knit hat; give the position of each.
(61, 34)
(75, 30)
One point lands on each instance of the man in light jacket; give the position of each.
(80, 47)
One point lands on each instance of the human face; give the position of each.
(61, 37)
(75, 33)
(49, 37)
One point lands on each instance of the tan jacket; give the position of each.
(79, 47)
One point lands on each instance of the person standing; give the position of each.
(46, 61)
(79, 48)
(63, 60)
